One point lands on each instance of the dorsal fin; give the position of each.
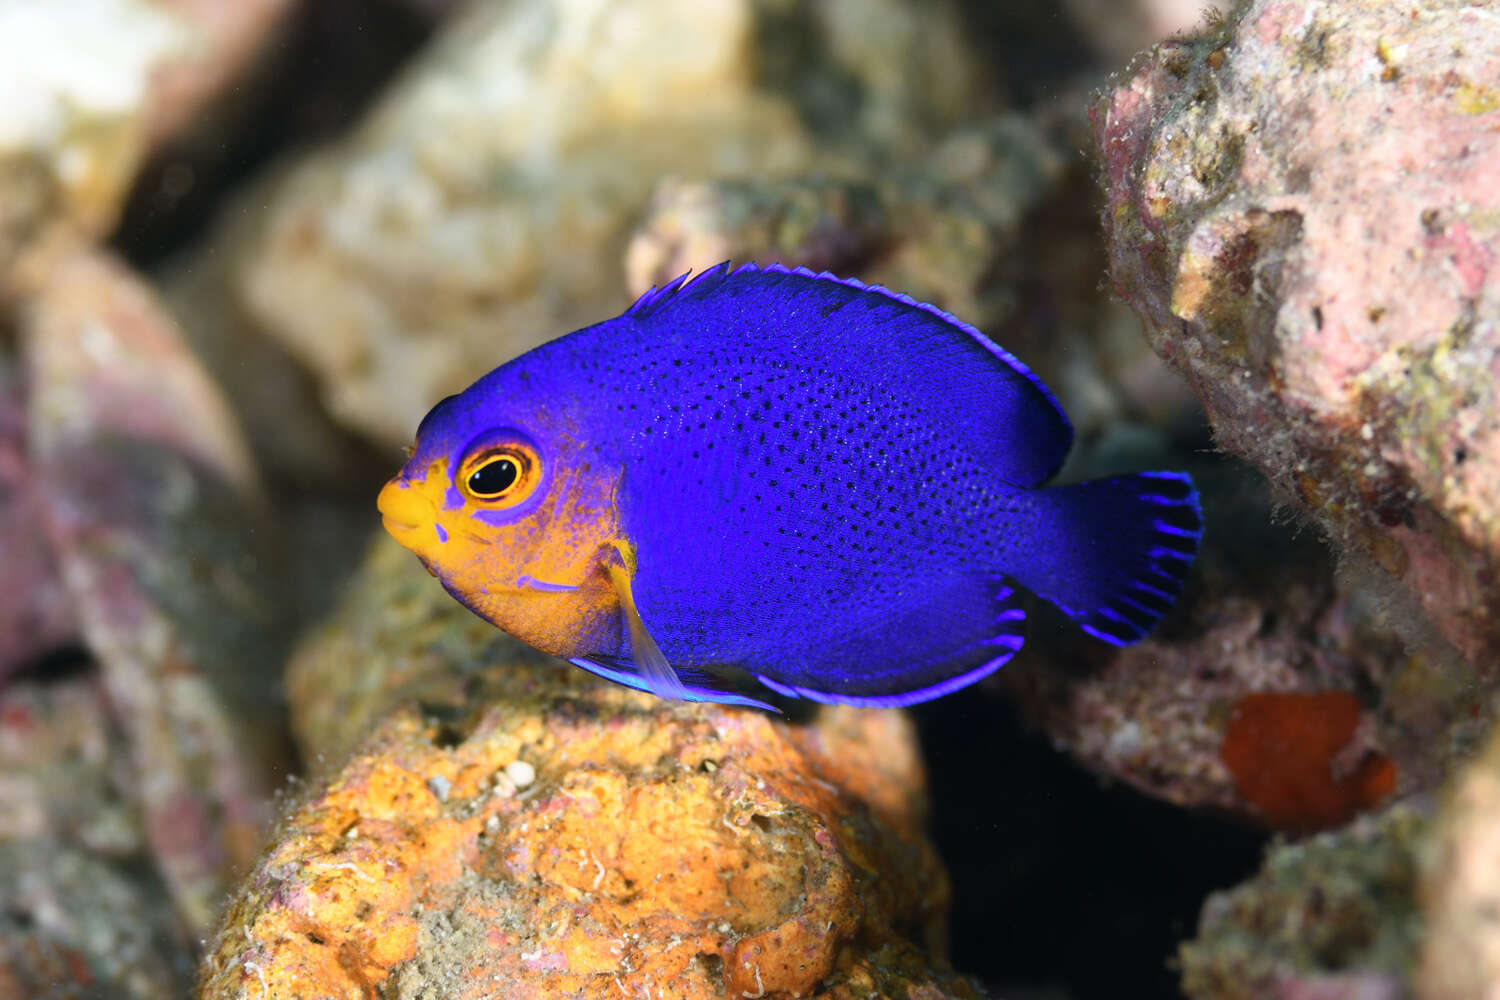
(947, 317)
(679, 288)
(655, 298)
(991, 398)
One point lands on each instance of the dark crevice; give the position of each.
(325, 66)
(1043, 856)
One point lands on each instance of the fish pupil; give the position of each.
(493, 478)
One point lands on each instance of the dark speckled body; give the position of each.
(832, 489)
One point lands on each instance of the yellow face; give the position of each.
(516, 534)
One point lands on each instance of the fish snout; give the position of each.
(404, 510)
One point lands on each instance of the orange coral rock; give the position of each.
(642, 848)
(1289, 753)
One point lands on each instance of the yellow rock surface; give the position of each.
(513, 827)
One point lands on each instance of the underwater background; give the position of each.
(248, 748)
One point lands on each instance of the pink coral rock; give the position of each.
(1305, 210)
(34, 615)
(151, 508)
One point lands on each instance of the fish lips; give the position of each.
(405, 511)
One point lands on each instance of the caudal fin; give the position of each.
(1113, 553)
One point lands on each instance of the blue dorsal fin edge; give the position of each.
(655, 298)
(679, 287)
(1008, 358)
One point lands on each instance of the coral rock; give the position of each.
(35, 616)
(936, 227)
(85, 914)
(76, 928)
(72, 120)
(227, 39)
(274, 396)
(151, 506)
(484, 205)
(90, 87)
(1334, 916)
(64, 780)
(1460, 891)
(1303, 208)
(514, 827)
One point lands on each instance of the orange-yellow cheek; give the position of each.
(538, 578)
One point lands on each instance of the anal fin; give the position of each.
(998, 632)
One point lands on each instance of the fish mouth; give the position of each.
(398, 527)
(404, 510)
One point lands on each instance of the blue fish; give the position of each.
(774, 480)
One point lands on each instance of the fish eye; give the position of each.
(503, 474)
(494, 477)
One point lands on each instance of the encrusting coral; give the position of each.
(513, 827)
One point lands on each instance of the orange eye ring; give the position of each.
(500, 475)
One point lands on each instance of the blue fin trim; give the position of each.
(892, 700)
(1010, 618)
(1147, 587)
(653, 300)
(697, 686)
(656, 298)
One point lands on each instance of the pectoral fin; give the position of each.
(662, 680)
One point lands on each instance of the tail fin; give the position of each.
(1113, 553)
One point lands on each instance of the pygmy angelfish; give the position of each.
(774, 479)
